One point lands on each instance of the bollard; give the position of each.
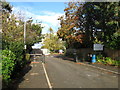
(94, 58)
(34, 58)
(43, 58)
(75, 57)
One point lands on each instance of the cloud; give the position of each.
(48, 19)
(22, 12)
(45, 29)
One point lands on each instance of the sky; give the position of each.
(45, 12)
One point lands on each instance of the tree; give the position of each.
(108, 23)
(68, 30)
(52, 42)
(83, 21)
(50, 30)
(33, 34)
(6, 7)
(102, 16)
(13, 36)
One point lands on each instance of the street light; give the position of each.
(25, 32)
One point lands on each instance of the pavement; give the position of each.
(31, 77)
(35, 78)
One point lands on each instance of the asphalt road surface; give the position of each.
(67, 74)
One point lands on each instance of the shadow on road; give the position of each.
(96, 65)
(64, 57)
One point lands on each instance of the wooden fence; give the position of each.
(83, 53)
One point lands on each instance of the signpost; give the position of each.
(98, 47)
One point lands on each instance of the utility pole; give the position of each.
(25, 31)
(25, 34)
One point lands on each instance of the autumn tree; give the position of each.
(90, 22)
(69, 31)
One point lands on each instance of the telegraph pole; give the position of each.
(25, 34)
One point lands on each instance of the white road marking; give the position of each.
(48, 81)
(88, 75)
(103, 69)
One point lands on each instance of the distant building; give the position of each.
(37, 46)
(36, 51)
(45, 51)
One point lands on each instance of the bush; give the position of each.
(27, 57)
(107, 60)
(18, 49)
(8, 64)
(100, 58)
(116, 63)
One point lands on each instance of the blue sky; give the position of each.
(46, 12)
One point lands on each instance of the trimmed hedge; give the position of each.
(8, 64)
(13, 60)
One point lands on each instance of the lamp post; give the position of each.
(25, 32)
(25, 35)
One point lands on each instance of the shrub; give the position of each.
(27, 57)
(109, 61)
(18, 49)
(100, 58)
(8, 64)
(116, 63)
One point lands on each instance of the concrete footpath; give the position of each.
(34, 78)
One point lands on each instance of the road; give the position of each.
(67, 74)
(60, 73)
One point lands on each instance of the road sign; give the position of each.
(98, 47)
